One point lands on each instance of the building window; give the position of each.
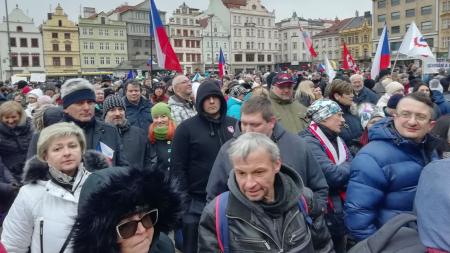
(35, 61)
(178, 43)
(395, 2)
(91, 31)
(68, 47)
(86, 60)
(410, 1)
(116, 46)
(425, 10)
(84, 30)
(380, 30)
(269, 57)
(260, 57)
(54, 35)
(137, 43)
(19, 29)
(395, 15)
(56, 61)
(102, 60)
(410, 13)
(121, 33)
(116, 33)
(106, 32)
(102, 20)
(91, 45)
(100, 32)
(14, 61)
(238, 57)
(381, 18)
(23, 42)
(92, 60)
(67, 36)
(249, 57)
(85, 45)
(68, 61)
(381, 4)
(117, 60)
(395, 29)
(445, 6)
(59, 23)
(101, 46)
(25, 61)
(180, 57)
(108, 60)
(55, 47)
(107, 46)
(12, 42)
(122, 46)
(294, 45)
(34, 43)
(427, 25)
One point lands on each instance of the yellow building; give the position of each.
(61, 45)
(357, 36)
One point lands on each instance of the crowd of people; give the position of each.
(285, 161)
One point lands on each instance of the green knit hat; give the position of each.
(161, 109)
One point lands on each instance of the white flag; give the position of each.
(329, 69)
(414, 44)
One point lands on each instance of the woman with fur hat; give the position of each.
(391, 89)
(160, 134)
(42, 215)
(127, 210)
(15, 136)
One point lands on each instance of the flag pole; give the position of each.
(150, 67)
(395, 62)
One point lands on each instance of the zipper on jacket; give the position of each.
(41, 234)
(254, 241)
(285, 228)
(259, 230)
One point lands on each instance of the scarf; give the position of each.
(161, 133)
(336, 158)
(61, 179)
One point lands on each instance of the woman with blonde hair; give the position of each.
(43, 213)
(307, 93)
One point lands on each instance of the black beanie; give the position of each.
(111, 102)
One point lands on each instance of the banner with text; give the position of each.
(432, 66)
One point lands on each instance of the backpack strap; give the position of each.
(303, 207)
(222, 222)
(381, 238)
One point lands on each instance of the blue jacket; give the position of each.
(234, 108)
(366, 96)
(383, 178)
(440, 101)
(139, 115)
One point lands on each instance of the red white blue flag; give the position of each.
(308, 42)
(347, 61)
(221, 64)
(382, 58)
(167, 59)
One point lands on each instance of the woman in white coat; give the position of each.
(43, 213)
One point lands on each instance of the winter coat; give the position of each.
(432, 204)
(163, 150)
(440, 101)
(290, 114)
(136, 146)
(353, 129)
(252, 228)
(139, 115)
(366, 96)
(196, 143)
(110, 195)
(181, 110)
(234, 108)
(294, 153)
(96, 132)
(13, 147)
(384, 177)
(43, 205)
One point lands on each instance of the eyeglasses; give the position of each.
(421, 118)
(127, 229)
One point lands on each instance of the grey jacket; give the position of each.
(252, 229)
(180, 110)
(294, 153)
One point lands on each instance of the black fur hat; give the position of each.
(110, 195)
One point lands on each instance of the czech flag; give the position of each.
(382, 58)
(308, 42)
(221, 64)
(167, 59)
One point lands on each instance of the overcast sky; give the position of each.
(329, 9)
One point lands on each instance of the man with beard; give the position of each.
(136, 147)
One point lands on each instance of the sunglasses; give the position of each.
(127, 229)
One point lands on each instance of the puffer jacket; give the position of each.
(234, 108)
(43, 205)
(289, 113)
(251, 229)
(384, 177)
(139, 115)
(440, 101)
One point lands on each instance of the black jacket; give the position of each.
(294, 153)
(95, 132)
(139, 115)
(136, 146)
(163, 150)
(197, 141)
(366, 95)
(109, 195)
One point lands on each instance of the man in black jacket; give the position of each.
(79, 107)
(195, 145)
(136, 146)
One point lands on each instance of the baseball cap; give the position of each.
(283, 80)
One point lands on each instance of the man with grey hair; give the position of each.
(78, 98)
(362, 93)
(181, 104)
(262, 204)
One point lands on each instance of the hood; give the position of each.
(438, 97)
(35, 169)
(24, 126)
(432, 191)
(385, 130)
(291, 182)
(206, 89)
(110, 195)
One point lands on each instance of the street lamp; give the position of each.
(212, 45)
